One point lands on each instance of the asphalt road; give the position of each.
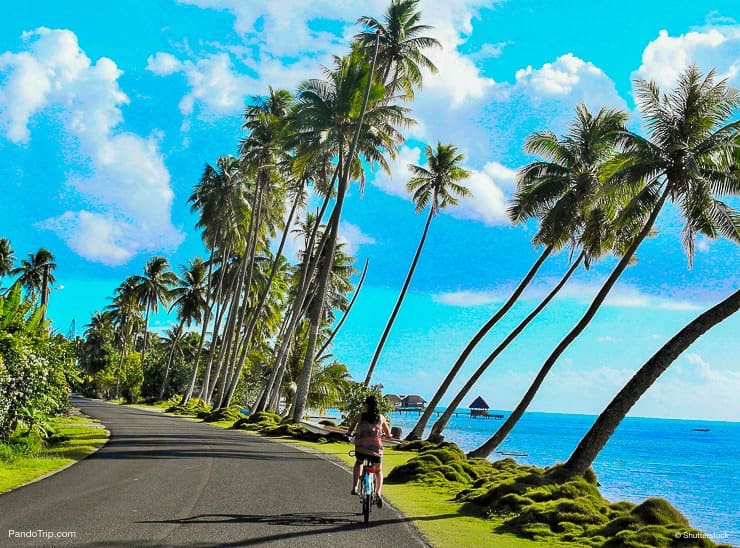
(167, 481)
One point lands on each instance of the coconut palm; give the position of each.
(153, 289)
(221, 200)
(563, 190)
(37, 275)
(689, 159)
(348, 115)
(434, 186)
(601, 431)
(189, 298)
(265, 152)
(401, 47)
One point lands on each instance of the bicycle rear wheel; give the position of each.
(366, 503)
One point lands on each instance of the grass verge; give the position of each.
(75, 438)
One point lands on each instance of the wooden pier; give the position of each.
(419, 410)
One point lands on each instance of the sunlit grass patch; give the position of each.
(27, 459)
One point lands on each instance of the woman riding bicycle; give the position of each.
(371, 427)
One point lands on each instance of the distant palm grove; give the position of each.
(254, 329)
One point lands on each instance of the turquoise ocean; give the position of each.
(694, 464)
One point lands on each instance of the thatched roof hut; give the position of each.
(413, 401)
(479, 407)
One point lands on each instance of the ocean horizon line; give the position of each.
(492, 411)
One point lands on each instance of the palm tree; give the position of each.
(597, 437)
(153, 289)
(7, 257)
(434, 186)
(348, 113)
(563, 191)
(689, 158)
(221, 199)
(36, 275)
(400, 51)
(189, 298)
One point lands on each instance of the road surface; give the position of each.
(166, 481)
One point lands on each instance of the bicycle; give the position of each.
(366, 488)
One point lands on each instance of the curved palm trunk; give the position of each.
(316, 312)
(223, 302)
(169, 360)
(250, 254)
(418, 430)
(399, 301)
(146, 337)
(204, 328)
(247, 339)
(228, 336)
(304, 383)
(346, 313)
(489, 446)
(593, 442)
(441, 423)
(307, 272)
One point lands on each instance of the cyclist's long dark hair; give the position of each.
(372, 415)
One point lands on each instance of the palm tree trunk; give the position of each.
(45, 292)
(301, 396)
(146, 337)
(247, 340)
(600, 433)
(228, 336)
(204, 329)
(418, 430)
(439, 426)
(346, 313)
(220, 303)
(397, 306)
(307, 271)
(250, 254)
(169, 360)
(489, 446)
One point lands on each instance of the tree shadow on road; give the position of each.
(310, 523)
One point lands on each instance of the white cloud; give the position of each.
(487, 202)
(353, 237)
(692, 388)
(212, 82)
(163, 64)
(621, 296)
(467, 298)
(715, 47)
(121, 178)
(566, 77)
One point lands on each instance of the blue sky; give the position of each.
(107, 117)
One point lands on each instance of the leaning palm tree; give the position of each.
(189, 298)
(153, 289)
(221, 199)
(562, 190)
(434, 186)
(349, 113)
(597, 437)
(401, 55)
(36, 275)
(689, 159)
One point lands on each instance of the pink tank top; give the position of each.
(368, 439)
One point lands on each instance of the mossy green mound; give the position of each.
(227, 414)
(546, 505)
(194, 406)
